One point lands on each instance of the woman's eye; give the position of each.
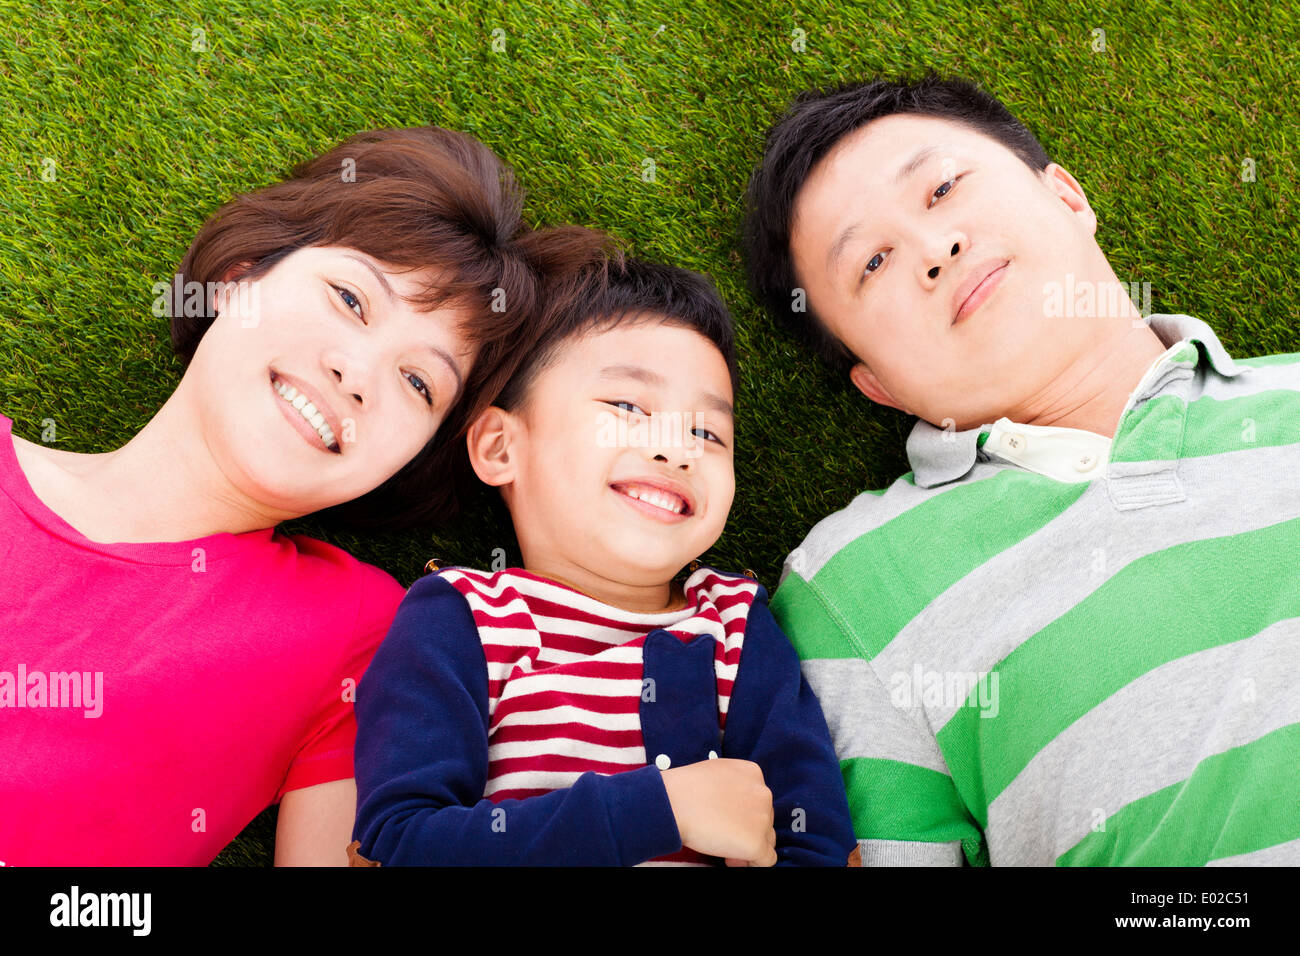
(706, 435)
(350, 300)
(420, 386)
(943, 190)
(628, 406)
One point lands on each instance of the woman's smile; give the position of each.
(304, 416)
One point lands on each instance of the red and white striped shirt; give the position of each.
(565, 672)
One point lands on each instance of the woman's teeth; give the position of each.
(308, 411)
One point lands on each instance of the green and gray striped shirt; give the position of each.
(1045, 647)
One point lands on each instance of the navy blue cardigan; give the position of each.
(422, 751)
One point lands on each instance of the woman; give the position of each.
(169, 664)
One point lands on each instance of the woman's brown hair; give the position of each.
(419, 198)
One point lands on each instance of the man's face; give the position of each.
(895, 228)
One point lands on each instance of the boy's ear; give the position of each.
(489, 442)
(870, 386)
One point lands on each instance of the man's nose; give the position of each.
(941, 257)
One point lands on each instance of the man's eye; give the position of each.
(943, 190)
(629, 406)
(350, 300)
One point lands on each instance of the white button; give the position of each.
(713, 755)
(1013, 442)
(1086, 463)
(662, 762)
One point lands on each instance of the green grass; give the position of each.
(148, 136)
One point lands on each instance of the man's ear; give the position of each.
(870, 386)
(1067, 188)
(490, 442)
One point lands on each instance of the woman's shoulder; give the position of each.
(331, 567)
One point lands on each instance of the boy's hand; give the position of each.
(724, 809)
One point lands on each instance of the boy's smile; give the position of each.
(660, 499)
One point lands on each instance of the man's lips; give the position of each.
(977, 287)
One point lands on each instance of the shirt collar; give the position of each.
(938, 455)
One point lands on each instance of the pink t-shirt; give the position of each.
(211, 677)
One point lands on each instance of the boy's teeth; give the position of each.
(655, 497)
(308, 411)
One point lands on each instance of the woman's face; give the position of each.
(326, 332)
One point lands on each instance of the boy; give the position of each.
(1069, 635)
(588, 708)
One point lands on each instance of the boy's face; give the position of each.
(929, 207)
(621, 456)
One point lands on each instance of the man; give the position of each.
(1071, 635)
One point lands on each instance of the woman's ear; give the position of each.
(490, 442)
(222, 294)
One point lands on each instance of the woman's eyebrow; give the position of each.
(450, 364)
(383, 281)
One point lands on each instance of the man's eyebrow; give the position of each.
(907, 169)
(383, 280)
(914, 163)
(642, 374)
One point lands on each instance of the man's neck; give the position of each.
(1092, 392)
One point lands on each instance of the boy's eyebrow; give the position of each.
(907, 169)
(642, 374)
(383, 281)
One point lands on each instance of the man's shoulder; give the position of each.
(874, 512)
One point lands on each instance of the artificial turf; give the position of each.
(127, 124)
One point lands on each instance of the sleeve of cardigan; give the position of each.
(776, 721)
(422, 763)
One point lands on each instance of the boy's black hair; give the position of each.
(621, 290)
(811, 126)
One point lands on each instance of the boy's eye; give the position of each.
(350, 300)
(706, 435)
(873, 264)
(632, 407)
